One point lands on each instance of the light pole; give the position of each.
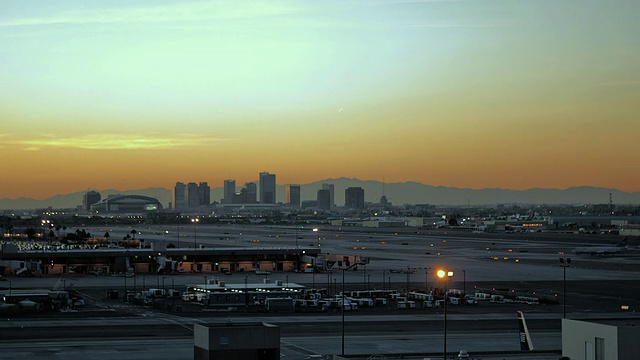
(364, 277)
(246, 292)
(195, 222)
(315, 230)
(384, 273)
(172, 297)
(445, 276)
(314, 280)
(164, 292)
(343, 300)
(464, 283)
(565, 263)
(426, 280)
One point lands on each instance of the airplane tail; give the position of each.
(525, 338)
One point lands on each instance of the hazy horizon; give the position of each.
(502, 94)
(240, 185)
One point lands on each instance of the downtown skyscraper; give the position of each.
(229, 191)
(292, 195)
(267, 188)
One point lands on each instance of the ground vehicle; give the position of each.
(463, 354)
(261, 272)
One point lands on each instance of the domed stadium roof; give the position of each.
(127, 204)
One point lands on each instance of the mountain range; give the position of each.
(396, 193)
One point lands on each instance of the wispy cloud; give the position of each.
(450, 25)
(181, 12)
(117, 142)
(220, 13)
(620, 84)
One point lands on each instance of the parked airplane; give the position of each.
(601, 250)
(525, 338)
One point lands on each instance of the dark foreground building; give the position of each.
(242, 341)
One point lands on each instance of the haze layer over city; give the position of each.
(471, 94)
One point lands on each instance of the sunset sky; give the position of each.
(510, 94)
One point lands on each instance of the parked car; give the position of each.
(463, 354)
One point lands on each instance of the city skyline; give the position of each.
(471, 94)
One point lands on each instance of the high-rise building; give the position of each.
(90, 197)
(332, 194)
(293, 195)
(204, 194)
(249, 194)
(180, 196)
(193, 195)
(267, 188)
(324, 199)
(354, 198)
(229, 191)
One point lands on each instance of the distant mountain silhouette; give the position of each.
(396, 193)
(74, 200)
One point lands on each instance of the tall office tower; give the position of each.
(204, 194)
(331, 189)
(354, 198)
(249, 194)
(180, 196)
(324, 199)
(293, 195)
(229, 191)
(90, 197)
(193, 195)
(267, 188)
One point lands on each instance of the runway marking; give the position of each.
(304, 350)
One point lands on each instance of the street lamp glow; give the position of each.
(445, 275)
(195, 222)
(315, 230)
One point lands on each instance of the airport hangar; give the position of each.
(150, 260)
